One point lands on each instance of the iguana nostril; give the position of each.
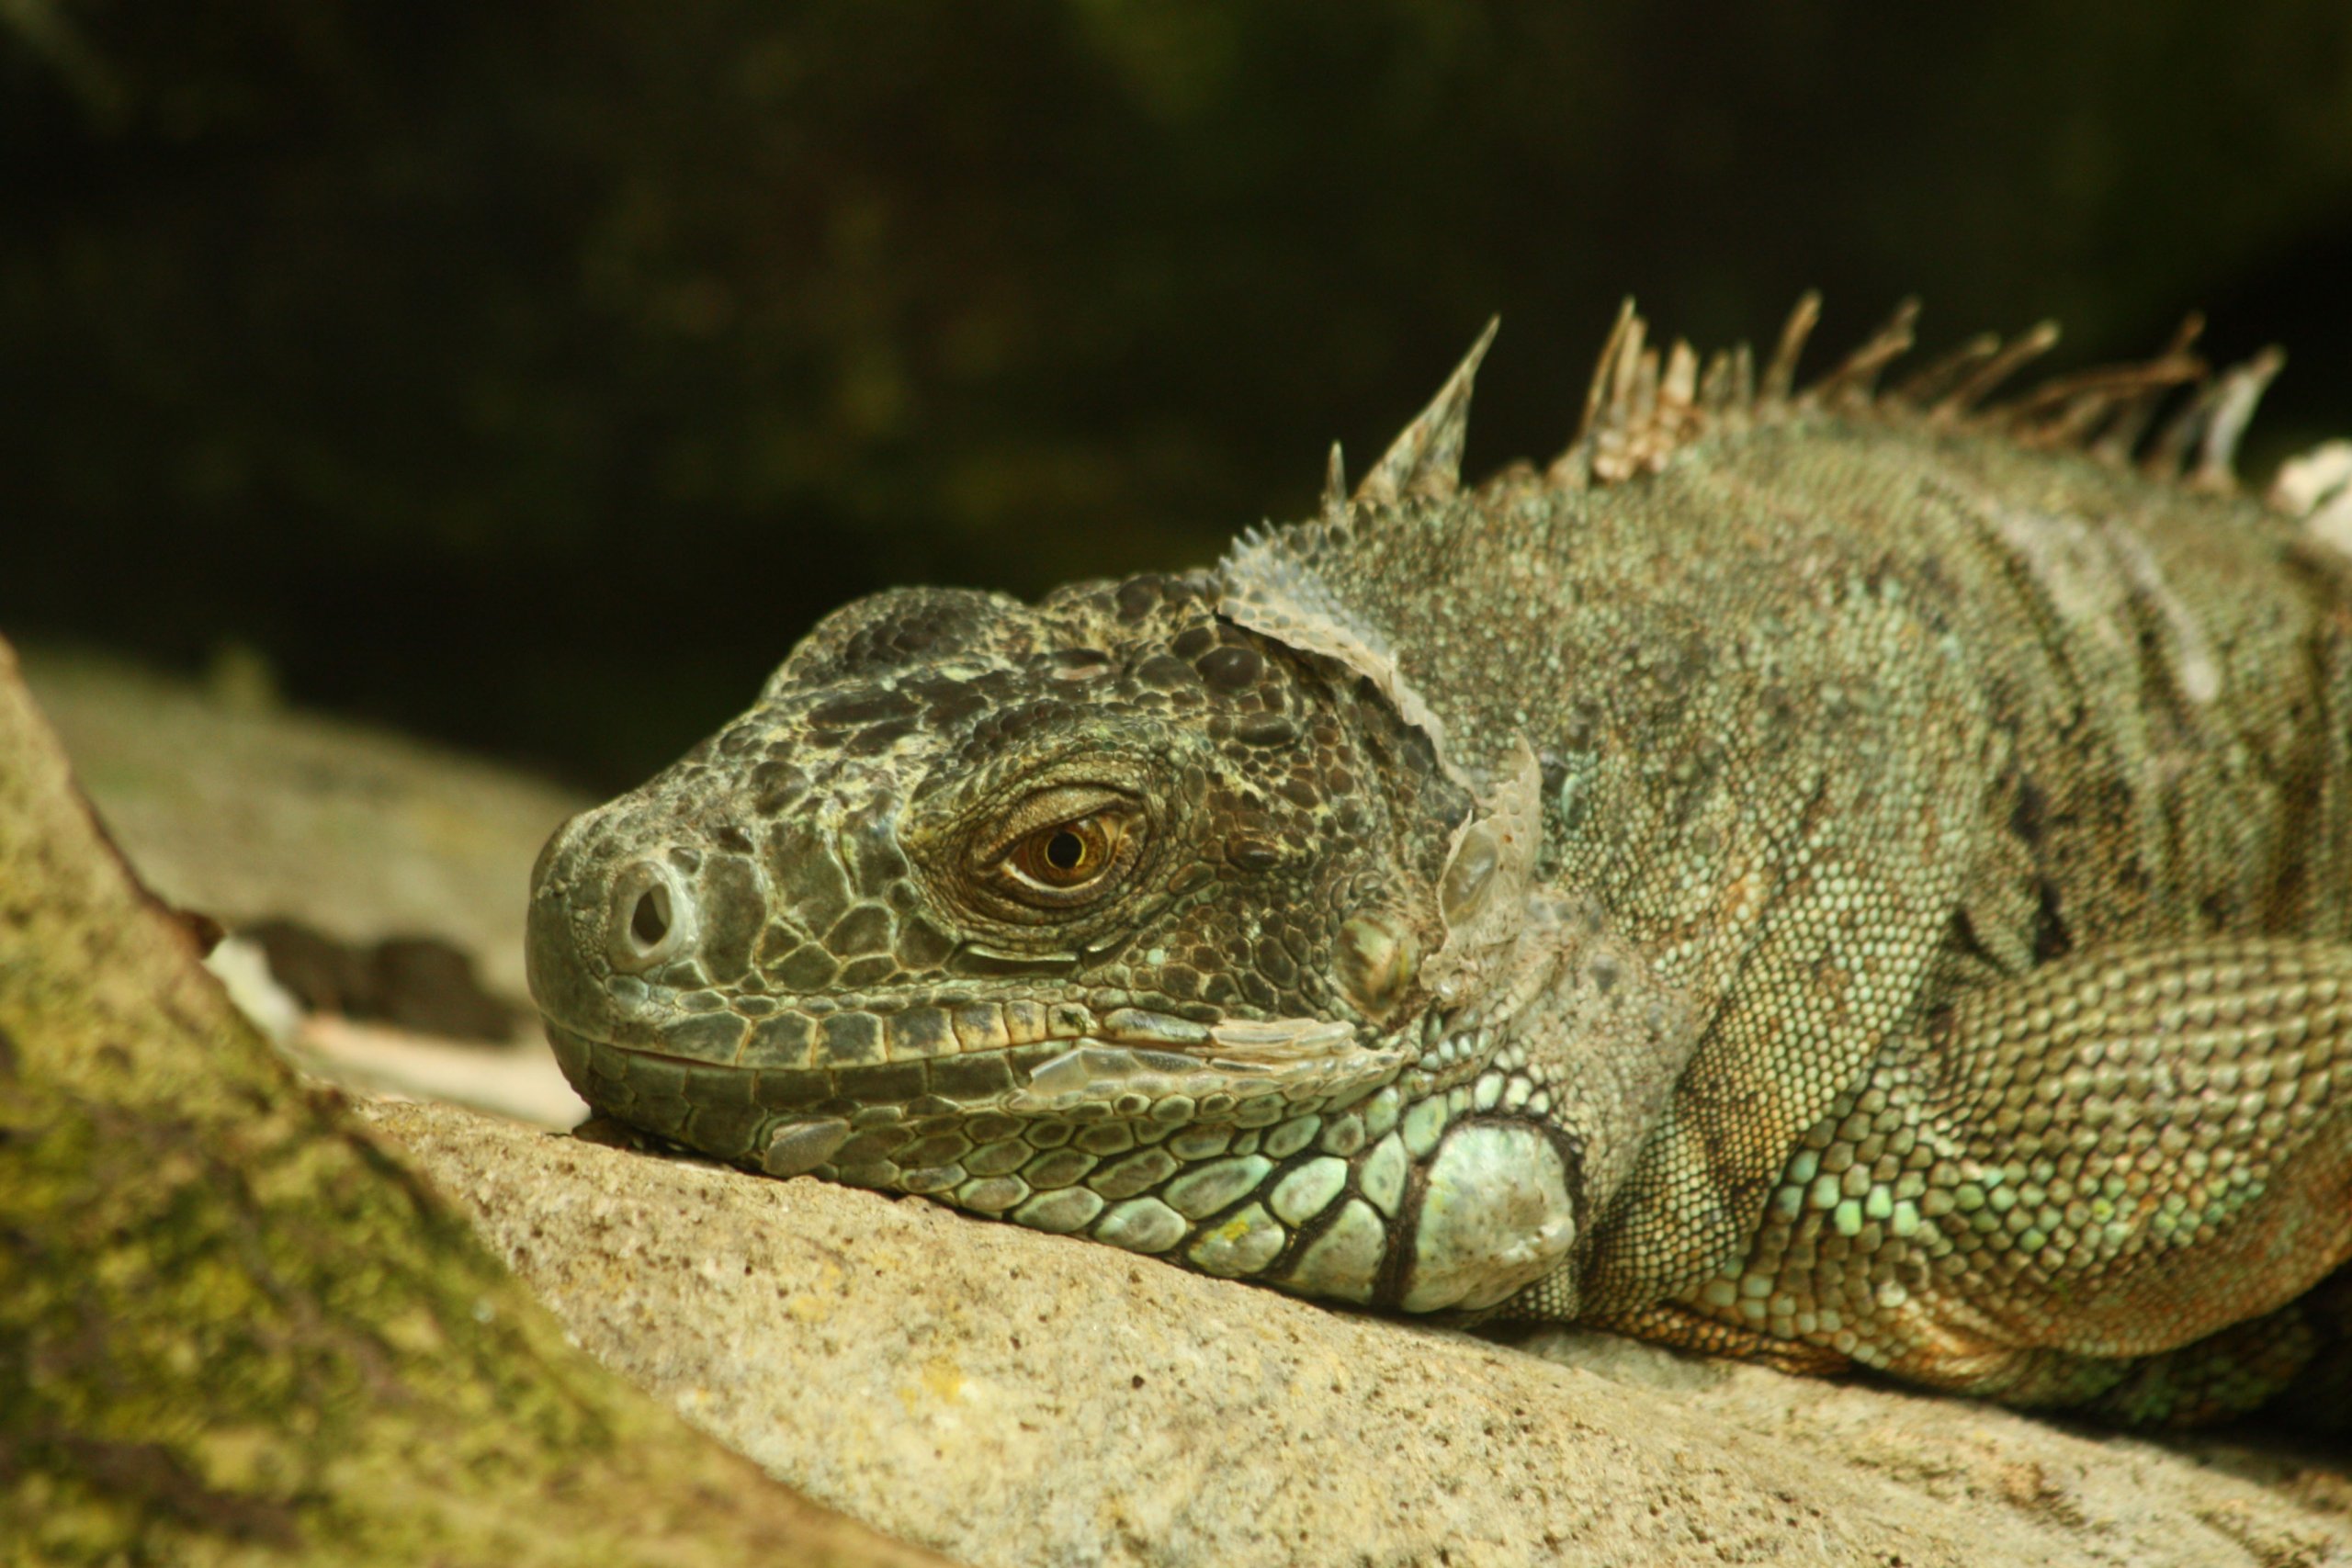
(650, 922)
(653, 916)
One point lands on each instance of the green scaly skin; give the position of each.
(1835, 879)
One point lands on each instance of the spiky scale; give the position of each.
(1425, 461)
(1780, 373)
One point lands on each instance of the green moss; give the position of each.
(230, 1324)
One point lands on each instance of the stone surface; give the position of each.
(233, 1332)
(230, 804)
(1015, 1399)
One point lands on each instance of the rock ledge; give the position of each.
(1012, 1398)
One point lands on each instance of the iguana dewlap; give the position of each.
(1837, 878)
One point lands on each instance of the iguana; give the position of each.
(1840, 878)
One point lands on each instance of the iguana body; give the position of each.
(1833, 879)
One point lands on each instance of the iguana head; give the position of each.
(1109, 856)
(1156, 910)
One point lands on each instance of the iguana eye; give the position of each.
(1065, 847)
(1068, 855)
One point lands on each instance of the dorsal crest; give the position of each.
(1645, 404)
(1426, 460)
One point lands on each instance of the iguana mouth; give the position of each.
(1130, 1065)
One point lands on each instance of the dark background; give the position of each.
(532, 374)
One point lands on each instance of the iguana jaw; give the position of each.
(761, 1116)
(1401, 1171)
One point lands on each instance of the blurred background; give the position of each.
(530, 376)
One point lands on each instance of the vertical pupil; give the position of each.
(1065, 850)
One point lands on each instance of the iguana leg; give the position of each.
(2299, 1357)
(2101, 1184)
(2320, 1395)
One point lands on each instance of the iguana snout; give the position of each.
(677, 921)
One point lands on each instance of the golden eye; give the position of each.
(1062, 849)
(1067, 855)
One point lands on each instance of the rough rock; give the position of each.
(1015, 1398)
(248, 811)
(233, 1332)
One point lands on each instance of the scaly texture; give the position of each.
(1833, 878)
